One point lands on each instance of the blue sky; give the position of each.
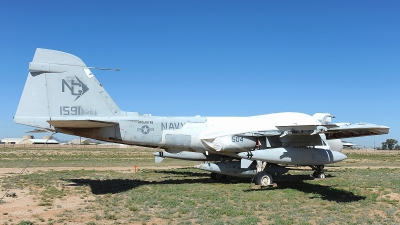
(218, 58)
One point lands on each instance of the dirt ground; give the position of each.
(25, 206)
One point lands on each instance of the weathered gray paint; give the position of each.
(62, 94)
(178, 140)
(295, 156)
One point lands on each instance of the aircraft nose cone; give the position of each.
(243, 155)
(338, 156)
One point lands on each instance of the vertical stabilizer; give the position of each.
(60, 86)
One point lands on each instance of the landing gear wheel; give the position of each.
(319, 172)
(217, 176)
(319, 175)
(263, 179)
(315, 175)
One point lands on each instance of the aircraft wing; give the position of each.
(40, 131)
(305, 135)
(290, 130)
(332, 131)
(347, 130)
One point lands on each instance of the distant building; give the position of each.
(29, 139)
(82, 141)
(115, 144)
(11, 140)
(39, 141)
(347, 144)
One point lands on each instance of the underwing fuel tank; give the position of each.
(185, 155)
(295, 156)
(231, 168)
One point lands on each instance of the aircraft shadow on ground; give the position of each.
(113, 186)
(296, 182)
(329, 193)
(183, 173)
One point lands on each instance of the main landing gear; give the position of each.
(263, 179)
(218, 176)
(318, 171)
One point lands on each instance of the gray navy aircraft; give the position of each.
(61, 94)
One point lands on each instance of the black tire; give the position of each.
(321, 176)
(264, 179)
(217, 176)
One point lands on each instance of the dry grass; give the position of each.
(359, 195)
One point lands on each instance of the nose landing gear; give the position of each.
(318, 172)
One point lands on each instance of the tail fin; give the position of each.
(61, 87)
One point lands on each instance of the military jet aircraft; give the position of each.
(62, 94)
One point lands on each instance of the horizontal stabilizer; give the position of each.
(81, 123)
(47, 68)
